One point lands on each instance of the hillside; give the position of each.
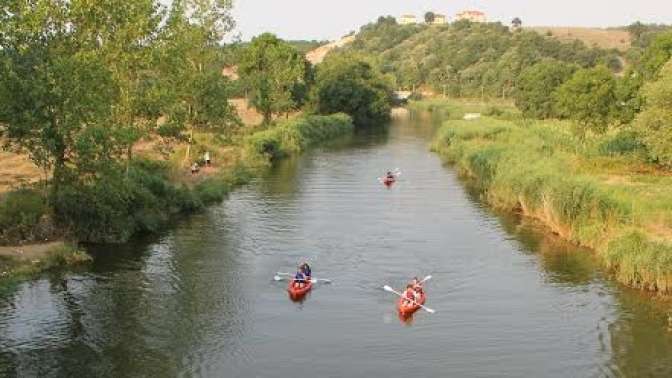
(602, 38)
(469, 59)
(317, 55)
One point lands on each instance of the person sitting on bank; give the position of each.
(194, 168)
(206, 158)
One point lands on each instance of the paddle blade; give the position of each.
(431, 311)
(426, 279)
(277, 278)
(387, 288)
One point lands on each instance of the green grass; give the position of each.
(293, 136)
(13, 271)
(598, 192)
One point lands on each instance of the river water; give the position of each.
(200, 299)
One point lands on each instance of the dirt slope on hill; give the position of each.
(604, 38)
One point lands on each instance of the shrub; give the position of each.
(20, 213)
(115, 205)
(625, 142)
(296, 135)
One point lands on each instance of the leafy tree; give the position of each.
(350, 84)
(189, 88)
(67, 85)
(430, 17)
(274, 73)
(588, 98)
(517, 22)
(534, 93)
(656, 55)
(655, 121)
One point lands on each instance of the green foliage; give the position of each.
(641, 262)
(655, 121)
(296, 135)
(656, 55)
(534, 93)
(348, 83)
(116, 205)
(623, 143)
(466, 59)
(545, 171)
(20, 213)
(275, 74)
(588, 98)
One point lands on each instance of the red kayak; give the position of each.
(388, 181)
(298, 292)
(407, 309)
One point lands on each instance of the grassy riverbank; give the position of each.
(27, 261)
(144, 197)
(598, 192)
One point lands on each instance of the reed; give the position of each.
(596, 191)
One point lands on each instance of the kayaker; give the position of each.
(417, 285)
(299, 279)
(409, 295)
(390, 176)
(305, 269)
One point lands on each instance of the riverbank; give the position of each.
(597, 192)
(26, 261)
(150, 194)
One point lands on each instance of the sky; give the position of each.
(331, 19)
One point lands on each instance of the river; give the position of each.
(200, 299)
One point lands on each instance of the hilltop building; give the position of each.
(407, 19)
(439, 19)
(471, 15)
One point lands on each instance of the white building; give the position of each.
(407, 19)
(439, 19)
(471, 15)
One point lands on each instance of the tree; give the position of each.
(588, 98)
(534, 93)
(274, 73)
(67, 83)
(656, 55)
(517, 23)
(350, 84)
(430, 17)
(189, 88)
(655, 121)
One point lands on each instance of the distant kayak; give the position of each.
(388, 181)
(297, 292)
(407, 309)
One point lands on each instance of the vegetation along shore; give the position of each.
(120, 149)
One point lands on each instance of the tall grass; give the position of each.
(592, 192)
(293, 136)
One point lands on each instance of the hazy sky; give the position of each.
(330, 19)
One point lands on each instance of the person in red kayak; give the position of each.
(390, 176)
(299, 279)
(409, 295)
(305, 269)
(417, 285)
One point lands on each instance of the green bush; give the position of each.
(296, 135)
(623, 143)
(115, 205)
(20, 213)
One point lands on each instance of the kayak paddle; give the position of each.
(391, 290)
